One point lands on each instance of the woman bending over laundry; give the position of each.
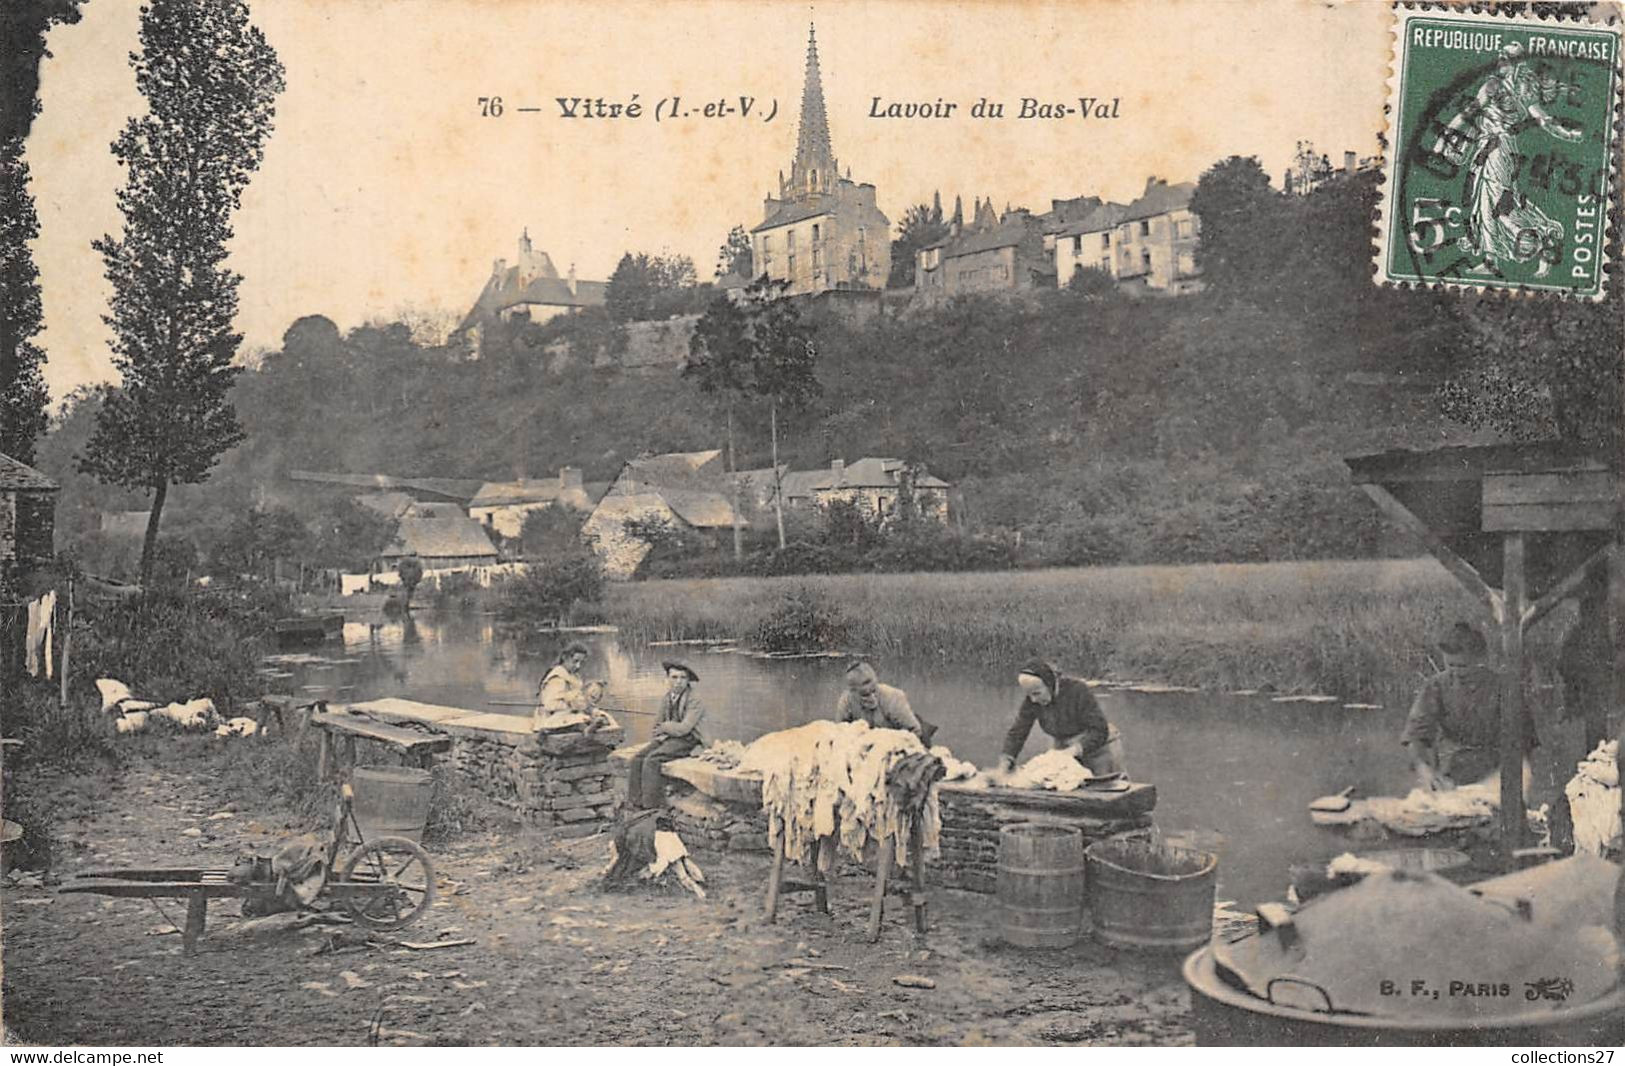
(1064, 708)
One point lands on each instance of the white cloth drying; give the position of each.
(828, 775)
(1593, 794)
(40, 633)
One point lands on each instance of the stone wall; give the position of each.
(718, 810)
(545, 778)
(970, 832)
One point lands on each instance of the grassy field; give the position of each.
(1359, 630)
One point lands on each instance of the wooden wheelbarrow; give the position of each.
(386, 883)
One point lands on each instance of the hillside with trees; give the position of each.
(1080, 426)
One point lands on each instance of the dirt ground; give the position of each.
(556, 960)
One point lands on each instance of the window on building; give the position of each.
(1106, 264)
(792, 261)
(1125, 233)
(1187, 263)
(815, 233)
(1145, 227)
(1077, 245)
(1145, 260)
(818, 258)
(1106, 241)
(1186, 227)
(790, 240)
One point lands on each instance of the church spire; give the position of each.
(814, 169)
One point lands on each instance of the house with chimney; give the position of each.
(822, 231)
(690, 492)
(992, 253)
(873, 485)
(529, 289)
(502, 506)
(1147, 246)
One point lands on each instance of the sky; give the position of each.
(384, 188)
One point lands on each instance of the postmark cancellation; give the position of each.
(1503, 145)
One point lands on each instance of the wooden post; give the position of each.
(1512, 734)
(197, 911)
(67, 648)
(883, 861)
(774, 879)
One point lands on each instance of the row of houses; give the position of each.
(450, 524)
(1148, 246)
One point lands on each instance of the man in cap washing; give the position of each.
(1454, 729)
(1064, 708)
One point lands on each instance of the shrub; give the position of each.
(803, 621)
(168, 644)
(550, 588)
(456, 592)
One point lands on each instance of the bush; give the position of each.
(456, 592)
(169, 644)
(550, 589)
(803, 621)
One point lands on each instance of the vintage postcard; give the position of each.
(724, 522)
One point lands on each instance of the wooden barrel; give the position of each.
(1164, 904)
(391, 802)
(1040, 885)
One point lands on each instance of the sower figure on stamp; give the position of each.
(1502, 224)
(675, 735)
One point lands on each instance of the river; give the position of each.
(1234, 773)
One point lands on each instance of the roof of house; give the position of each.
(1099, 220)
(869, 472)
(460, 490)
(1159, 199)
(440, 537)
(700, 509)
(19, 476)
(509, 289)
(1063, 213)
(433, 509)
(500, 493)
(509, 493)
(795, 211)
(388, 504)
(676, 466)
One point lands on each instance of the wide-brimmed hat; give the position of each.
(1463, 639)
(669, 665)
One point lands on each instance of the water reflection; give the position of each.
(1236, 772)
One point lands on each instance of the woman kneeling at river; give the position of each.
(675, 735)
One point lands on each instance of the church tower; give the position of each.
(814, 170)
(822, 230)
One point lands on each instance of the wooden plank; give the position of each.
(1565, 588)
(1585, 486)
(356, 726)
(155, 889)
(1548, 517)
(1139, 798)
(1489, 599)
(1512, 809)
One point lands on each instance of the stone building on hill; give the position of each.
(530, 288)
(822, 231)
(992, 254)
(1148, 246)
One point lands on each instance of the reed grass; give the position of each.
(1360, 630)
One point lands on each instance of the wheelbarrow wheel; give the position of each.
(403, 876)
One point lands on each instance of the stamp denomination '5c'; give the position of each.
(1501, 141)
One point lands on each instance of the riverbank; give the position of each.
(1358, 630)
(553, 959)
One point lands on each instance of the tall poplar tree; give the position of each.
(23, 396)
(211, 81)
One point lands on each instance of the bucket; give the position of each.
(1040, 885)
(391, 802)
(1151, 899)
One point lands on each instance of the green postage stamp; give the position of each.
(1502, 146)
